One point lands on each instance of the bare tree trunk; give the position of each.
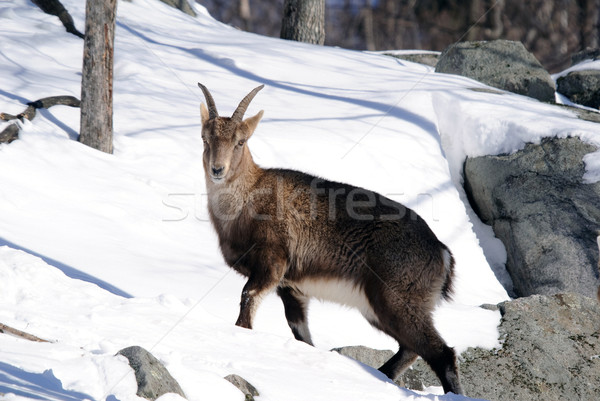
(473, 16)
(496, 26)
(97, 78)
(390, 22)
(369, 31)
(304, 21)
(246, 15)
(590, 21)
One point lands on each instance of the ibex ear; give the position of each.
(203, 113)
(249, 124)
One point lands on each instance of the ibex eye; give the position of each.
(241, 142)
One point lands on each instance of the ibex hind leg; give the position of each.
(398, 363)
(440, 358)
(444, 366)
(417, 335)
(295, 305)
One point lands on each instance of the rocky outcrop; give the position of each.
(502, 64)
(544, 214)
(152, 377)
(550, 351)
(581, 87)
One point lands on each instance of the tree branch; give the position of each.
(9, 330)
(55, 7)
(11, 132)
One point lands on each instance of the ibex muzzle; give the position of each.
(308, 237)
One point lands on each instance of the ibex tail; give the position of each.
(447, 289)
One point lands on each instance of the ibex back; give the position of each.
(308, 237)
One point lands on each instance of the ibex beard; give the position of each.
(307, 237)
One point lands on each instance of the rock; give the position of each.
(583, 114)
(152, 377)
(181, 5)
(550, 351)
(244, 386)
(587, 54)
(369, 356)
(429, 58)
(581, 87)
(546, 217)
(417, 377)
(500, 63)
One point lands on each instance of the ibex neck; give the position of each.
(247, 172)
(226, 200)
(241, 180)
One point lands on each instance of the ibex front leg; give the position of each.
(261, 282)
(252, 295)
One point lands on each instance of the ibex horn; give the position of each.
(212, 108)
(238, 114)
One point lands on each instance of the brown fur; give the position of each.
(304, 236)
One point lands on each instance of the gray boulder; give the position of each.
(581, 87)
(502, 64)
(586, 54)
(546, 217)
(428, 58)
(369, 356)
(550, 351)
(417, 377)
(244, 386)
(182, 5)
(152, 377)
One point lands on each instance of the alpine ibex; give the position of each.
(308, 237)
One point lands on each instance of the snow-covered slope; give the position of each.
(128, 256)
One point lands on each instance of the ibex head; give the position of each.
(225, 137)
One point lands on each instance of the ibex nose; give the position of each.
(216, 171)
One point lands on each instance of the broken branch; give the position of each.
(9, 330)
(11, 132)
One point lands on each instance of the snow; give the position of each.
(99, 252)
(585, 65)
